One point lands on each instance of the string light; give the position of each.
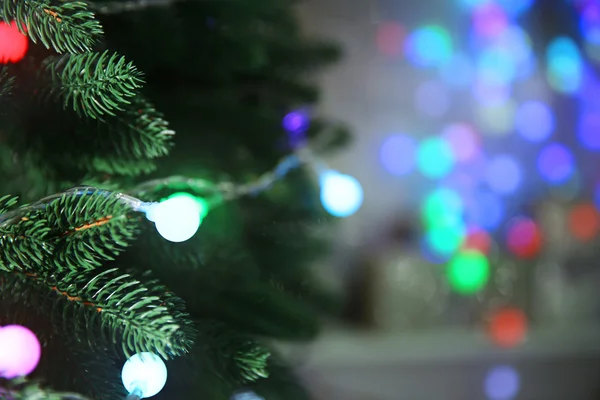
(144, 375)
(178, 217)
(20, 351)
(13, 44)
(341, 195)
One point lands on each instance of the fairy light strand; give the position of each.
(127, 6)
(219, 192)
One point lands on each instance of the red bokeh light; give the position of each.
(508, 327)
(477, 239)
(524, 238)
(390, 39)
(13, 44)
(584, 221)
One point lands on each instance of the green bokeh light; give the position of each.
(441, 206)
(468, 272)
(435, 158)
(446, 238)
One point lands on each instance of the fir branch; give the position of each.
(94, 84)
(68, 27)
(147, 316)
(88, 229)
(139, 131)
(116, 165)
(6, 84)
(77, 230)
(238, 357)
(22, 389)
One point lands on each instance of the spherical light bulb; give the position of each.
(145, 374)
(178, 217)
(20, 351)
(341, 195)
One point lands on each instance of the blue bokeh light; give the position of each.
(429, 46)
(469, 4)
(555, 163)
(588, 130)
(502, 383)
(597, 195)
(516, 42)
(515, 8)
(496, 67)
(565, 65)
(485, 209)
(458, 72)
(504, 174)
(398, 154)
(589, 23)
(534, 121)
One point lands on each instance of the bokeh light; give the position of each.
(341, 195)
(435, 158)
(516, 42)
(496, 67)
(432, 98)
(590, 23)
(588, 130)
(496, 119)
(502, 383)
(429, 46)
(514, 8)
(534, 121)
(296, 122)
(555, 163)
(442, 205)
(490, 95)
(477, 239)
(398, 154)
(489, 19)
(523, 238)
(458, 72)
(446, 237)
(468, 272)
(486, 210)
(508, 327)
(504, 174)
(584, 221)
(463, 140)
(390, 38)
(565, 66)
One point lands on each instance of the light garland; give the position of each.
(178, 217)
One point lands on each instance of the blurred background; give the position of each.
(471, 270)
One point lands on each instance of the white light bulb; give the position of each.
(341, 195)
(177, 218)
(145, 374)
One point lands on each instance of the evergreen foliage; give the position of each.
(83, 269)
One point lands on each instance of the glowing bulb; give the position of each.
(20, 351)
(341, 195)
(144, 374)
(178, 217)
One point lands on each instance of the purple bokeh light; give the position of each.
(502, 383)
(398, 154)
(555, 163)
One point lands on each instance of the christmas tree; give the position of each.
(102, 197)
